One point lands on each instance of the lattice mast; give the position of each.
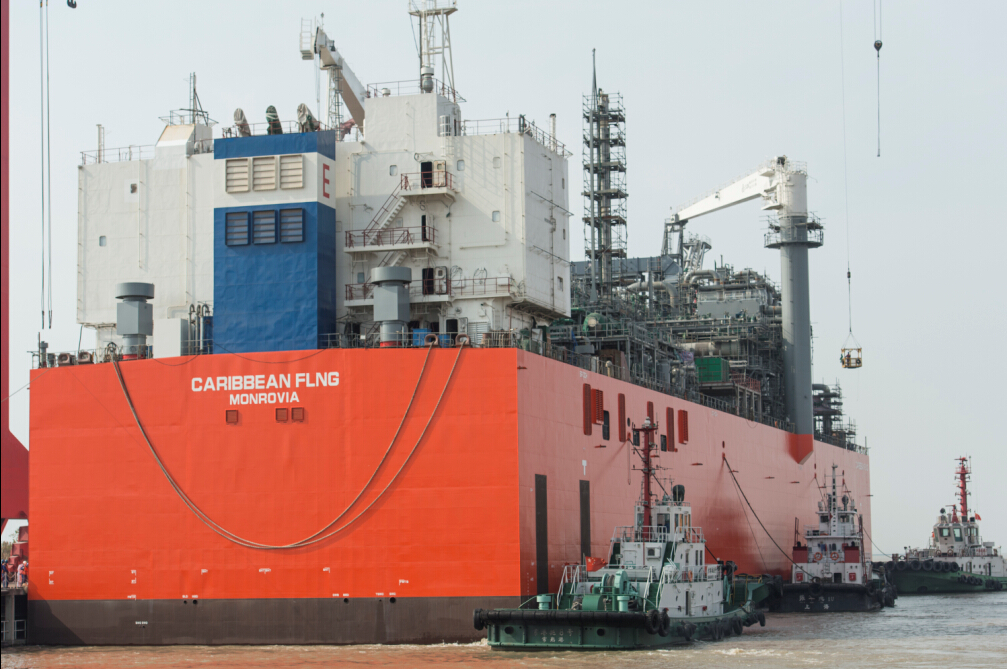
(434, 40)
(963, 474)
(604, 185)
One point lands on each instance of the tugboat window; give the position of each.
(945, 532)
(958, 534)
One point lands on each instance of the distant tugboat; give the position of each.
(957, 560)
(654, 590)
(831, 571)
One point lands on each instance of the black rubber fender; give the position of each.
(928, 565)
(762, 619)
(914, 565)
(955, 566)
(665, 628)
(736, 626)
(901, 565)
(479, 619)
(815, 589)
(652, 622)
(872, 589)
(686, 631)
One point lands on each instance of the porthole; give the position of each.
(102, 241)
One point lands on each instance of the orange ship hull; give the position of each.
(477, 502)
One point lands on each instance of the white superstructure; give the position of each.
(478, 210)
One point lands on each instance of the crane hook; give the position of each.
(72, 4)
(877, 47)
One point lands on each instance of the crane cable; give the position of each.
(41, 92)
(48, 159)
(323, 533)
(846, 184)
(877, 47)
(45, 160)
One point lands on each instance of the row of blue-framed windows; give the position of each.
(260, 227)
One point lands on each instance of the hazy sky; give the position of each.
(711, 90)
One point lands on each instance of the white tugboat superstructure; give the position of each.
(832, 570)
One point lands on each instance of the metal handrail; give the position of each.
(119, 154)
(415, 181)
(260, 129)
(506, 125)
(426, 234)
(386, 89)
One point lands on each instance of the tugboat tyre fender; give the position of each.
(665, 627)
(686, 630)
(762, 619)
(479, 619)
(901, 565)
(872, 589)
(915, 565)
(955, 566)
(928, 565)
(815, 589)
(652, 622)
(736, 626)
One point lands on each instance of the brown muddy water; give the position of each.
(942, 631)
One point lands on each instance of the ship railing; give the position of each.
(415, 182)
(386, 89)
(270, 128)
(517, 125)
(419, 289)
(426, 234)
(691, 574)
(118, 154)
(645, 533)
(572, 575)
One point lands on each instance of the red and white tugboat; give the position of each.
(831, 571)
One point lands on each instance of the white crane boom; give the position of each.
(352, 91)
(760, 183)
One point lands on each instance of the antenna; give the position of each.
(435, 41)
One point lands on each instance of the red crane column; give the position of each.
(13, 455)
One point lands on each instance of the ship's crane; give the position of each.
(782, 185)
(342, 81)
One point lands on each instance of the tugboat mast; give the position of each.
(647, 430)
(963, 472)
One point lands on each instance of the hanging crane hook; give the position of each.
(72, 4)
(877, 47)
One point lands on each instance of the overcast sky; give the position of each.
(711, 90)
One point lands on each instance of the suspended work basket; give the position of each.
(851, 355)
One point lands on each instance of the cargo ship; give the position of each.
(349, 383)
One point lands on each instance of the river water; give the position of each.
(935, 631)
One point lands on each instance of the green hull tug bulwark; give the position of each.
(654, 590)
(957, 559)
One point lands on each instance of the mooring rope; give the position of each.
(729, 469)
(324, 533)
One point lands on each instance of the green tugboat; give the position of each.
(655, 589)
(957, 559)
